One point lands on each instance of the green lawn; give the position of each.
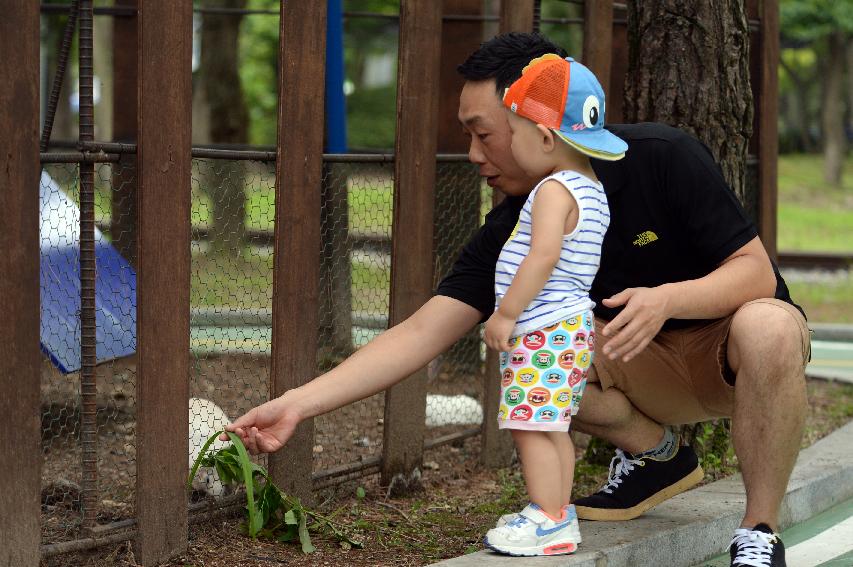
(814, 216)
(817, 217)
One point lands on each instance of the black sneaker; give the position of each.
(636, 484)
(758, 547)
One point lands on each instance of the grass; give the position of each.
(814, 216)
(825, 302)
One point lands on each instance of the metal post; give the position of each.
(88, 338)
(418, 73)
(296, 271)
(163, 277)
(20, 435)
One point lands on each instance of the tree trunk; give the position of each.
(796, 114)
(833, 111)
(229, 124)
(689, 67)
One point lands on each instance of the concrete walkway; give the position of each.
(698, 524)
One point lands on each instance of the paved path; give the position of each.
(832, 360)
(825, 540)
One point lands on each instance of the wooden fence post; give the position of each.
(412, 226)
(20, 433)
(163, 277)
(768, 135)
(296, 273)
(497, 447)
(516, 16)
(598, 40)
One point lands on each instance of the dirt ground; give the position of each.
(459, 501)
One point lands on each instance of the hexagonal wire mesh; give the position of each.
(231, 299)
(60, 376)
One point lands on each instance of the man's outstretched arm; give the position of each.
(388, 359)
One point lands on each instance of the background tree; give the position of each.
(689, 67)
(827, 26)
(220, 81)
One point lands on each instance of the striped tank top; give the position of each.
(566, 292)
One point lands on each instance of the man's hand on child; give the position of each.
(646, 310)
(498, 330)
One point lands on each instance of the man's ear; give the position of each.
(547, 137)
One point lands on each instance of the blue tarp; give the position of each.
(60, 286)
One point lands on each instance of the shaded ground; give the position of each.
(460, 500)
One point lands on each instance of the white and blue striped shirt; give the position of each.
(566, 292)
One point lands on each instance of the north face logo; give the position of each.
(645, 238)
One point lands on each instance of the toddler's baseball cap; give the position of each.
(566, 97)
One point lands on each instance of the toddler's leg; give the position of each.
(542, 467)
(566, 452)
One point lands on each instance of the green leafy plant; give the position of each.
(272, 514)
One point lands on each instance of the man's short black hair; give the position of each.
(504, 56)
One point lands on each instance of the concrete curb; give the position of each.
(698, 524)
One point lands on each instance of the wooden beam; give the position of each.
(163, 277)
(296, 273)
(598, 40)
(20, 376)
(418, 73)
(768, 135)
(516, 16)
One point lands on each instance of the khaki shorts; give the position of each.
(682, 376)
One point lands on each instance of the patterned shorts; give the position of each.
(543, 375)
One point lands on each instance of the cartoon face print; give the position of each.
(543, 359)
(507, 377)
(590, 340)
(587, 321)
(572, 323)
(583, 360)
(527, 376)
(503, 412)
(566, 415)
(538, 396)
(551, 328)
(521, 413)
(554, 378)
(563, 398)
(576, 376)
(546, 414)
(513, 342)
(566, 359)
(559, 339)
(513, 396)
(518, 358)
(580, 339)
(503, 358)
(534, 340)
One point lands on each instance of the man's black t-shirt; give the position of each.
(673, 218)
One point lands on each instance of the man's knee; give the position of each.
(767, 335)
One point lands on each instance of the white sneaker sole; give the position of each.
(555, 548)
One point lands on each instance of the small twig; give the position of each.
(392, 507)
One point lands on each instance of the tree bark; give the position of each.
(689, 67)
(220, 80)
(834, 141)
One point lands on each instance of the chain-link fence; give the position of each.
(233, 203)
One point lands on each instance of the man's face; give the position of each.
(484, 121)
